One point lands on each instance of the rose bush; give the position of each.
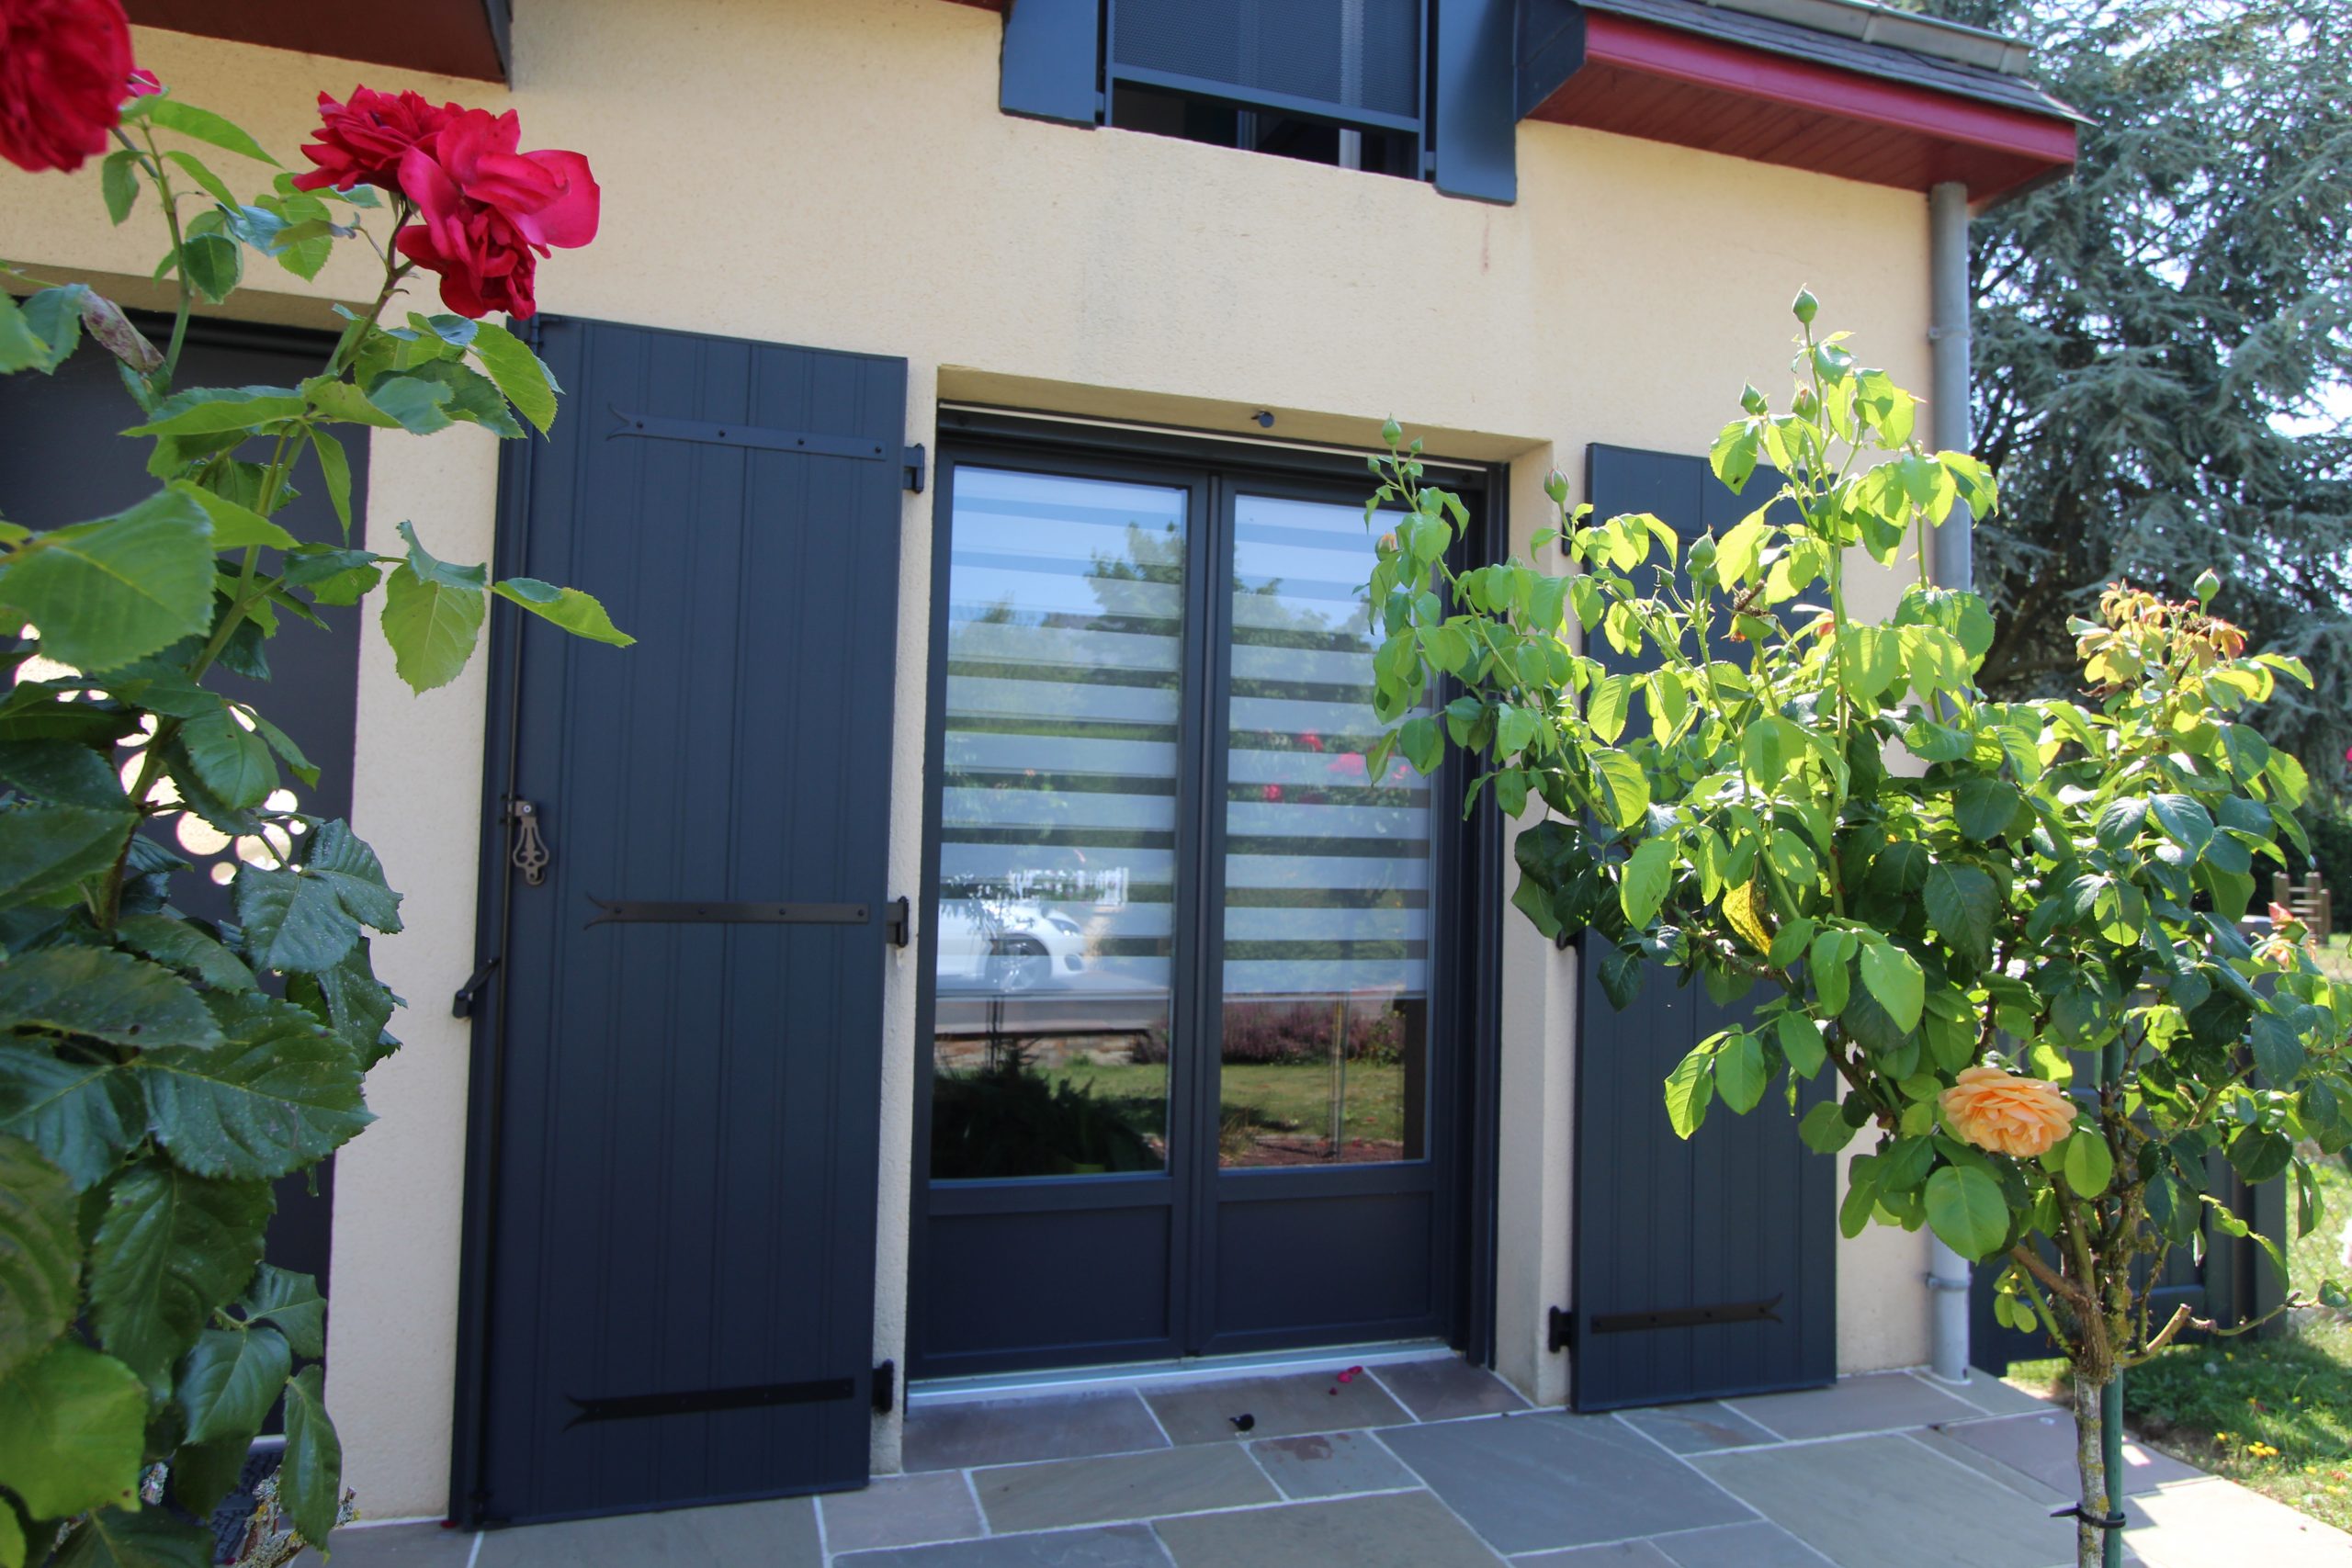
(487, 211)
(159, 1073)
(2011, 930)
(65, 71)
(490, 211)
(2006, 1113)
(361, 142)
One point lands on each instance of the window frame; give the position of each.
(1111, 75)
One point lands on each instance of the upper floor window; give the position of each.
(1340, 82)
(1428, 89)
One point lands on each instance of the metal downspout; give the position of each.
(1950, 566)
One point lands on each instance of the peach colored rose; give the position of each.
(2006, 1114)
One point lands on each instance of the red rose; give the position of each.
(144, 84)
(362, 143)
(64, 64)
(488, 212)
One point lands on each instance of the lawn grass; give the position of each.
(1273, 1096)
(2336, 955)
(2274, 1413)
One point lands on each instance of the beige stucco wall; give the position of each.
(835, 173)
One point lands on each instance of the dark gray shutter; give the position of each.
(1051, 50)
(1551, 50)
(1496, 62)
(1709, 1266)
(1477, 116)
(678, 1060)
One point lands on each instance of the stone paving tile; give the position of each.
(1989, 1393)
(1124, 1486)
(1288, 1405)
(1697, 1428)
(1448, 1389)
(1757, 1545)
(2196, 1524)
(1879, 1402)
(1867, 1501)
(1540, 1481)
(1400, 1530)
(774, 1535)
(1330, 1465)
(1120, 1546)
(900, 1510)
(1941, 1441)
(2042, 1446)
(1620, 1554)
(1013, 1431)
(400, 1546)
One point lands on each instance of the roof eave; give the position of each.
(1644, 78)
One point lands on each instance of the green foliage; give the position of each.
(2161, 342)
(2272, 1412)
(158, 1073)
(1909, 878)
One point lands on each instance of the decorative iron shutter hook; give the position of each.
(530, 851)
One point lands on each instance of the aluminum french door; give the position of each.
(1189, 1086)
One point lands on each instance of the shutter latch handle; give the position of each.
(527, 851)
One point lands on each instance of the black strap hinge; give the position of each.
(723, 433)
(886, 1388)
(914, 461)
(656, 911)
(462, 1004)
(898, 922)
(1563, 1330)
(706, 1400)
(1720, 1312)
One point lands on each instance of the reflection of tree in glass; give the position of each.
(1271, 620)
(1270, 614)
(1009, 1121)
(1042, 685)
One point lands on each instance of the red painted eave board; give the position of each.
(1774, 109)
(448, 38)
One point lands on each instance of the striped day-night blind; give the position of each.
(1327, 877)
(1064, 649)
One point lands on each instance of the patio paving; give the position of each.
(1433, 1464)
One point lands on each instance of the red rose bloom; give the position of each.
(489, 212)
(64, 64)
(362, 143)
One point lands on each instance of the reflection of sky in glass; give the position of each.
(1326, 878)
(1058, 809)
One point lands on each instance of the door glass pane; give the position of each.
(1057, 840)
(1325, 1052)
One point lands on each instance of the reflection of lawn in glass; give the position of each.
(1290, 1101)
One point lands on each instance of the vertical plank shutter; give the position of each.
(1051, 50)
(1477, 100)
(1705, 1268)
(677, 1133)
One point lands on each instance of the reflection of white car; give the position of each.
(1008, 946)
